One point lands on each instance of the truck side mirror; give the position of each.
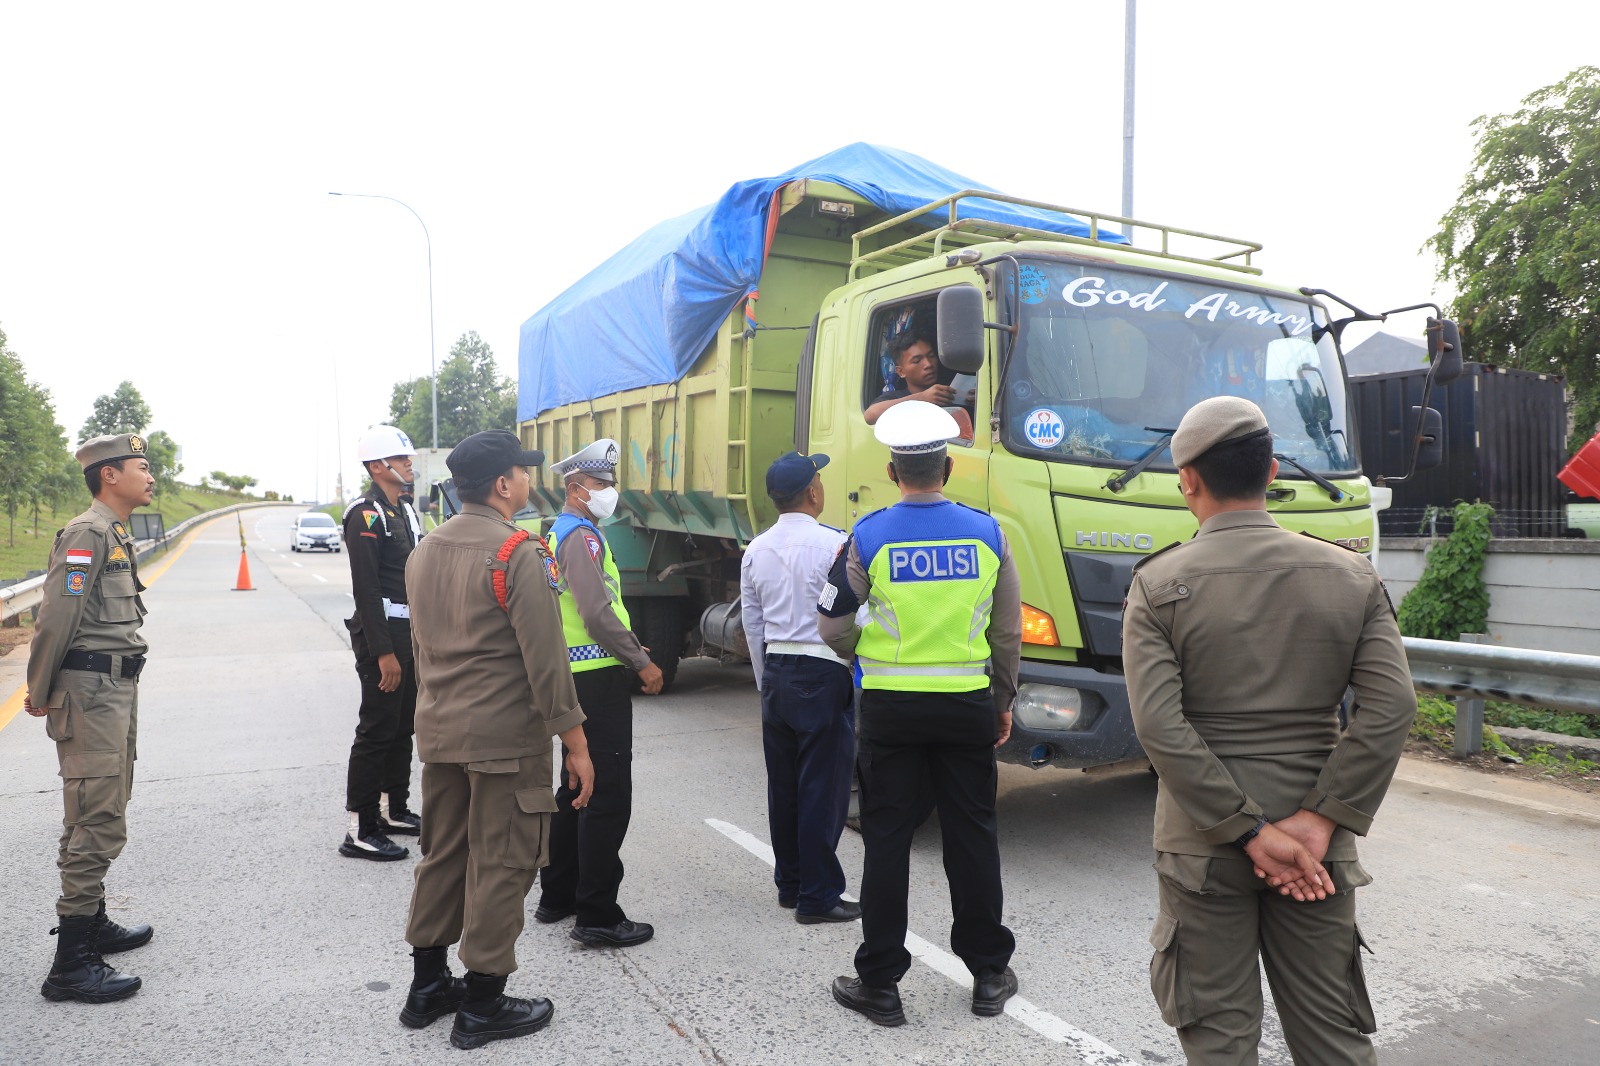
(960, 323)
(1444, 350)
(1429, 435)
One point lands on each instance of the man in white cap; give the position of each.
(1239, 645)
(946, 612)
(807, 696)
(380, 529)
(585, 872)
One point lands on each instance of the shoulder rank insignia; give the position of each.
(1155, 553)
(116, 527)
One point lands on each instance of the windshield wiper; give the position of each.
(1141, 464)
(1335, 493)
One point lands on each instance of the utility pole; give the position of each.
(1127, 115)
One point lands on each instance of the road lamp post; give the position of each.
(433, 362)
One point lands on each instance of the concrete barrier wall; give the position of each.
(1543, 594)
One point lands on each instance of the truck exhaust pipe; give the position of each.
(721, 629)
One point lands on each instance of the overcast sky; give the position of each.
(164, 168)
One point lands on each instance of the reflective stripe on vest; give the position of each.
(582, 651)
(932, 569)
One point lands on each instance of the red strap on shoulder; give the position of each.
(504, 555)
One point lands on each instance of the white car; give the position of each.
(314, 530)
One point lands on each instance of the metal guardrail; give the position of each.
(25, 595)
(1473, 671)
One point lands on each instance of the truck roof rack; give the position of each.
(961, 232)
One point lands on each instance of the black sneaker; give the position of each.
(371, 845)
(625, 934)
(402, 823)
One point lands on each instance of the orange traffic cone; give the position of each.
(243, 584)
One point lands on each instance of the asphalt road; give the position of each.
(271, 948)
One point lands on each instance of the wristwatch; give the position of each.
(1251, 835)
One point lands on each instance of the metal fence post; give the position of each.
(1469, 711)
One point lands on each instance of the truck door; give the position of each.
(868, 376)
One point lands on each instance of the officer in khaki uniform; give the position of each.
(493, 687)
(83, 679)
(1239, 645)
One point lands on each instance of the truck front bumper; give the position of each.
(1070, 716)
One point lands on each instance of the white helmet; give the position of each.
(383, 442)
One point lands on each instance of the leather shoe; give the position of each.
(487, 1013)
(880, 1005)
(113, 938)
(991, 990)
(624, 934)
(843, 911)
(550, 915)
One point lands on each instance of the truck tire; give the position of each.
(659, 623)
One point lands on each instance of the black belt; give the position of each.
(99, 662)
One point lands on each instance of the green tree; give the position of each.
(473, 396)
(1522, 244)
(162, 452)
(123, 411)
(32, 445)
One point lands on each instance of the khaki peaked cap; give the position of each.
(1212, 422)
(97, 450)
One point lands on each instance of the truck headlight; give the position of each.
(1054, 708)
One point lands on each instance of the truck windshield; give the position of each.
(1108, 359)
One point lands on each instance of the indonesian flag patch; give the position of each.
(78, 562)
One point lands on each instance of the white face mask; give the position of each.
(602, 502)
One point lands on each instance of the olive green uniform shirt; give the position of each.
(1238, 647)
(91, 598)
(492, 684)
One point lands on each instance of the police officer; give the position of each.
(1239, 646)
(946, 613)
(585, 871)
(83, 679)
(807, 695)
(493, 687)
(380, 530)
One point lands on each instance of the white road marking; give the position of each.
(1092, 1051)
(296, 562)
(320, 578)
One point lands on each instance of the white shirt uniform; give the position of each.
(780, 582)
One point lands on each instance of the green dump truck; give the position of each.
(1073, 353)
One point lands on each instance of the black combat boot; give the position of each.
(488, 1013)
(79, 972)
(434, 991)
(112, 938)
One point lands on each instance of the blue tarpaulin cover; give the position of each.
(644, 316)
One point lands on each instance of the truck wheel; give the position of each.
(658, 622)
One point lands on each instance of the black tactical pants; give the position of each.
(585, 868)
(380, 758)
(907, 740)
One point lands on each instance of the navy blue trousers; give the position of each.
(808, 731)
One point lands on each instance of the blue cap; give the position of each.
(792, 472)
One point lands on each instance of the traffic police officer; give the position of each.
(493, 687)
(946, 613)
(1239, 646)
(585, 871)
(380, 530)
(807, 695)
(83, 671)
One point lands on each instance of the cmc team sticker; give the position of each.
(1044, 428)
